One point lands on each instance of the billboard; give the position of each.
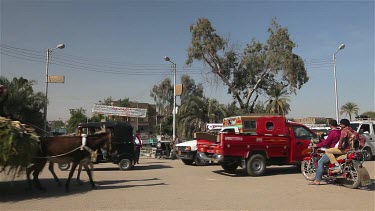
(56, 79)
(119, 111)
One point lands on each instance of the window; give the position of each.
(248, 125)
(269, 125)
(365, 128)
(303, 133)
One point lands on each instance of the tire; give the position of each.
(229, 167)
(125, 164)
(353, 179)
(256, 165)
(187, 162)
(64, 167)
(308, 170)
(200, 162)
(367, 154)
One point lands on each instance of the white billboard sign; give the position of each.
(119, 111)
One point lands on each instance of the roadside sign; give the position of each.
(56, 79)
(119, 111)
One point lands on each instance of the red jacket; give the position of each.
(332, 139)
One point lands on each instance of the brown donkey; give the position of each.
(65, 149)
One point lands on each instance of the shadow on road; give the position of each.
(17, 190)
(137, 167)
(269, 171)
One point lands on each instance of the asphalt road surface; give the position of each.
(163, 184)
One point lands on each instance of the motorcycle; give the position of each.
(353, 173)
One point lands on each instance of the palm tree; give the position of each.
(192, 116)
(278, 102)
(349, 108)
(22, 103)
(215, 111)
(196, 112)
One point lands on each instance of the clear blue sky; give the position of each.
(116, 48)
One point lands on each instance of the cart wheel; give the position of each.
(64, 167)
(125, 164)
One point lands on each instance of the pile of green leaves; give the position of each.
(19, 144)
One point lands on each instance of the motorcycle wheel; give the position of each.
(308, 169)
(353, 179)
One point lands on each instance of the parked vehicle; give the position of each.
(260, 141)
(366, 127)
(187, 151)
(164, 149)
(352, 176)
(121, 149)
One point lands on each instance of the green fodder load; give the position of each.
(18, 146)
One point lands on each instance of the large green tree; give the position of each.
(190, 88)
(349, 108)
(77, 116)
(20, 102)
(370, 114)
(249, 73)
(163, 96)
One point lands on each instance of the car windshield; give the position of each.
(354, 126)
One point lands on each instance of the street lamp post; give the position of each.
(49, 51)
(342, 46)
(166, 58)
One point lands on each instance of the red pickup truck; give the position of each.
(254, 142)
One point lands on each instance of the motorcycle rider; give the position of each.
(345, 142)
(330, 142)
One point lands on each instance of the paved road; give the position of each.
(170, 185)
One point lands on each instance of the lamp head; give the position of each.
(342, 46)
(166, 58)
(60, 46)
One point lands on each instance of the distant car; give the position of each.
(366, 127)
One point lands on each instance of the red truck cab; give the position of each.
(260, 141)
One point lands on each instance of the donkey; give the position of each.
(65, 149)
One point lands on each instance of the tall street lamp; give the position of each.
(342, 46)
(166, 58)
(49, 51)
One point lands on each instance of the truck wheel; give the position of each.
(125, 164)
(367, 153)
(200, 162)
(64, 167)
(187, 162)
(256, 165)
(230, 168)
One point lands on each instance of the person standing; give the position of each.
(330, 142)
(137, 146)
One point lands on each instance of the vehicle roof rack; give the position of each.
(362, 117)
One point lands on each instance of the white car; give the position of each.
(366, 127)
